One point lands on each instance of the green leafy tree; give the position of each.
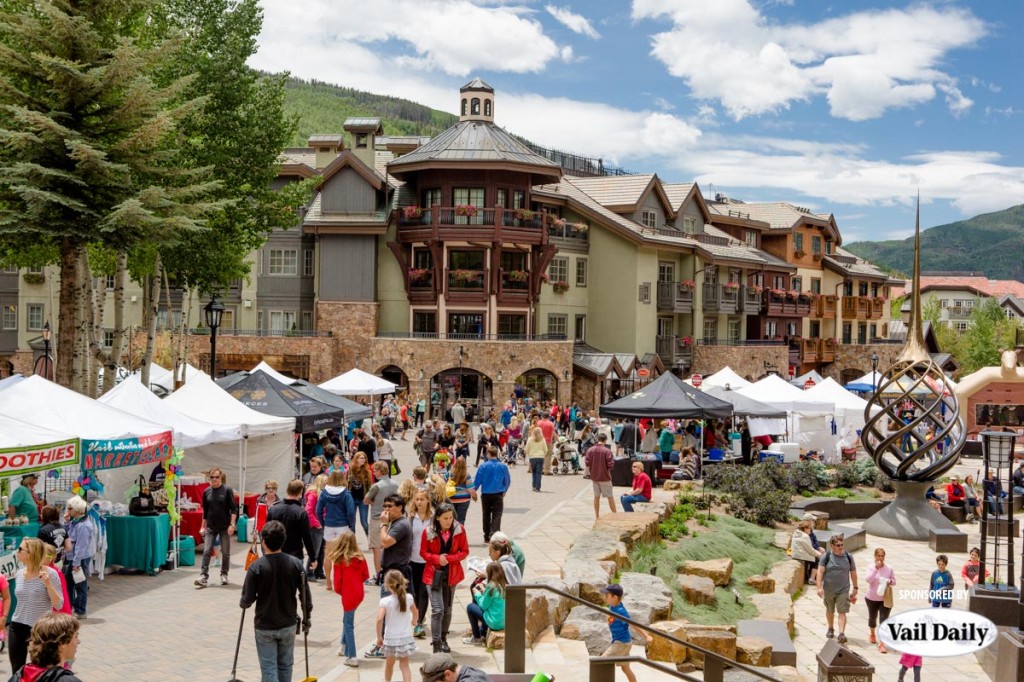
(988, 333)
(88, 145)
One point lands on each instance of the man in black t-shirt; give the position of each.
(52, 533)
(396, 541)
(220, 512)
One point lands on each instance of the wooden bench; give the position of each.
(944, 540)
(776, 633)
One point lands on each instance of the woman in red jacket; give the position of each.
(443, 547)
(346, 577)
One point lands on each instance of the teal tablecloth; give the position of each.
(138, 542)
(29, 530)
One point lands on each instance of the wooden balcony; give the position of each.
(856, 307)
(809, 350)
(959, 312)
(421, 289)
(877, 309)
(484, 224)
(513, 289)
(827, 350)
(466, 286)
(825, 307)
(796, 350)
(751, 300)
(785, 305)
(804, 303)
(674, 297)
(718, 298)
(673, 352)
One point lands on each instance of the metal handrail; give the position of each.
(602, 668)
(515, 634)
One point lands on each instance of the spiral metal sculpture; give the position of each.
(926, 445)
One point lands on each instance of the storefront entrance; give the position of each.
(472, 388)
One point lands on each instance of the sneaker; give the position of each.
(418, 632)
(352, 662)
(80, 616)
(373, 583)
(374, 652)
(830, 634)
(223, 579)
(341, 651)
(216, 562)
(841, 638)
(476, 641)
(202, 581)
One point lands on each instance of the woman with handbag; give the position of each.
(444, 546)
(460, 489)
(878, 599)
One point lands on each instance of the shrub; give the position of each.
(844, 476)
(808, 476)
(883, 482)
(760, 494)
(865, 470)
(675, 526)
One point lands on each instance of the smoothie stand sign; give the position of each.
(16, 461)
(123, 452)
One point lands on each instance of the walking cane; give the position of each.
(305, 632)
(238, 645)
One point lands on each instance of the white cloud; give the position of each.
(863, 62)
(577, 23)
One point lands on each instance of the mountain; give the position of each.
(991, 243)
(323, 108)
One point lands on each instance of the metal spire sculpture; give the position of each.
(918, 433)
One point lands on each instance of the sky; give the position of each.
(849, 107)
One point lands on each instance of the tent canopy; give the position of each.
(350, 409)
(132, 397)
(265, 394)
(358, 382)
(744, 406)
(670, 397)
(270, 371)
(802, 379)
(849, 408)
(725, 377)
(201, 398)
(11, 381)
(773, 390)
(865, 384)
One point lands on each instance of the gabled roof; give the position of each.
(598, 365)
(476, 84)
(623, 193)
(982, 286)
(850, 265)
(316, 218)
(1011, 301)
(735, 250)
(335, 139)
(364, 125)
(479, 145)
(677, 193)
(347, 159)
(298, 161)
(780, 215)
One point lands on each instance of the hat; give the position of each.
(436, 664)
(612, 589)
(30, 474)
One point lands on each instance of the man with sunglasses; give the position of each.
(396, 543)
(836, 572)
(220, 513)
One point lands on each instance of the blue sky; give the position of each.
(848, 107)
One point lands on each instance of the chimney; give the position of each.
(327, 147)
(363, 134)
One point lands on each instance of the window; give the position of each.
(466, 324)
(511, 326)
(828, 247)
(961, 327)
(815, 329)
(475, 106)
(362, 140)
(816, 244)
(778, 282)
(469, 196)
(750, 237)
(465, 106)
(108, 339)
(10, 317)
(847, 288)
(259, 262)
(798, 241)
(711, 275)
(487, 107)
(666, 327)
(227, 320)
(815, 285)
(581, 328)
(943, 302)
(110, 282)
(9, 270)
(284, 262)
(307, 320)
(431, 197)
(847, 333)
(424, 322)
(282, 320)
(862, 288)
(259, 319)
(666, 271)
(649, 218)
(512, 260)
(710, 331)
(1009, 313)
(557, 324)
(307, 262)
(645, 292)
(771, 329)
(689, 224)
(734, 330)
(862, 333)
(466, 260)
(873, 331)
(35, 271)
(796, 284)
(35, 316)
(581, 272)
(422, 260)
(558, 271)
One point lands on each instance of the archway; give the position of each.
(538, 384)
(469, 386)
(395, 375)
(850, 374)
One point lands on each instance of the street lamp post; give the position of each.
(874, 368)
(47, 364)
(214, 310)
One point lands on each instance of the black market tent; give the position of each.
(670, 397)
(261, 392)
(350, 409)
(744, 406)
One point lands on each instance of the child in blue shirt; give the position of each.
(621, 639)
(940, 590)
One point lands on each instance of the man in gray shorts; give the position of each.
(600, 462)
(836, 571)
(375, 498)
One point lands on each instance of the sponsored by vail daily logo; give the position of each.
(937, 632)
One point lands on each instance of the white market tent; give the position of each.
(15, 433)
(849, 413)
(809, 419)
(273, 373)
(166, 380)
(358, 382)
(267, 445)
(802, 379)
(725, 377)
(11, 381)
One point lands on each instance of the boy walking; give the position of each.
(621, 639)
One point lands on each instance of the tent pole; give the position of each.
(177, 526)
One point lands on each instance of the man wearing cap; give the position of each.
(24, 501)
(443, 668)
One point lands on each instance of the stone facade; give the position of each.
(858, 356)
(747, 361)
(353, 326)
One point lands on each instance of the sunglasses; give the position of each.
(387, 506)
(215, 478)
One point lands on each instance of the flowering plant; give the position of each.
(468, 210)
(411, 212)
(524, 214)
(544, 277)
(561, 287)
(792, 293)
(755, 289)
(686, 340)
(582, 227)
(517, 275)
(732, 286)
(559, 222)
(466, 276)
(778, 292)
(419, 275)
(688, 284)
(880, 299)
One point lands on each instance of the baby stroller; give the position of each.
(442, 462)
(567, 459)
(514, 451)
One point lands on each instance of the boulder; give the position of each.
(495, 639)
(585, 578)
(631, 528)
(762, 583)
(820, 520)
(697, 589)
(676, 485)
(717, 641)
(538, 614)
(777, 607)
(647, 598)
(719, 570)
(589, 627)
(662, 649)
(788, 575)
(754, 651)
(600, 547)
(787, 673)
(660, 507)
(715, 628)
(558, 606)
(782, 539)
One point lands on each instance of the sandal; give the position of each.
(882, 649)
(871, 638)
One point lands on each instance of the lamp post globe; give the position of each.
(47, 371)
(213, 310)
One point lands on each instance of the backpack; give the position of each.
(51, 675)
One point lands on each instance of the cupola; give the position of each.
(476, 101)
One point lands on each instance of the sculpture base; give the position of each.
(999, 606)
(909, 516)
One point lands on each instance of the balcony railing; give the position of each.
(306, 333)
(752, 299)
(877, 309)
(467, 280)
(721, 298)
(568, 231)
(673, 351)
(827, 350)
(740, 342)
(856, 307)
(809, 350)
(455, 336)
(675, 297)
(514, 283)
(959, 312)
(825, 307)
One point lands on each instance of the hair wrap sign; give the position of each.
(114, 454)
(15, 461)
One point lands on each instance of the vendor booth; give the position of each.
(358, 382)
(724, 378)
(809, 419)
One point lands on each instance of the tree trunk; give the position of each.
(65, 339)
(171, 329)
(117, 350)
(90, 367)
(152, 296)
(78, 356)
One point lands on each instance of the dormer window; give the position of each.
(465, 104)
(487, 107)
(475, 108)
(361, 140)
(323, 150)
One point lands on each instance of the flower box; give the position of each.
(793, 294)
(686, 341)
(34, 277)
(467, 276)
(561, 287)
(466, 210)
(819, 256)
(524, 214)
(419, 275)
(799, 254)
(732, 286)
(517, 275)
(688, 284)
(412, 212)
(755, 289)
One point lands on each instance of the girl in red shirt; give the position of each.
(347, 571)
